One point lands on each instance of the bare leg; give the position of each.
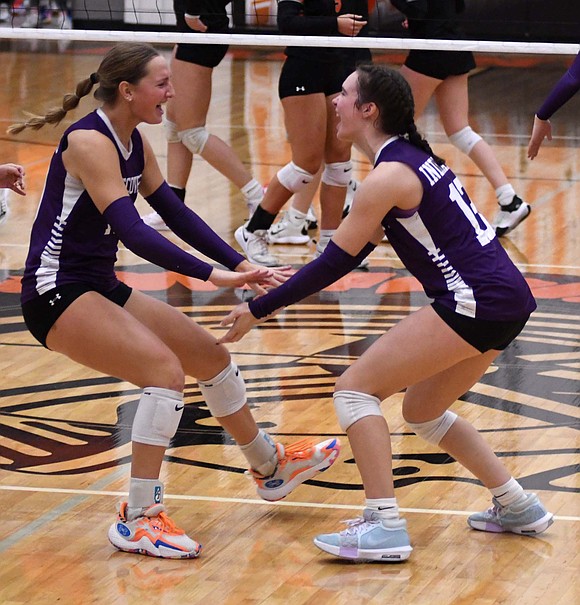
(453, 104)
(186, 339)
(303, 199)
(302, 115)
(429, 399)
(331, 197)
(188, 109)
(397, 359)
(179, 162)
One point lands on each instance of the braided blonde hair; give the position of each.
(125, 62)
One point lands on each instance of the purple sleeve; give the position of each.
(192, 229)
(564, 90)
(150, 245)
(329, 267)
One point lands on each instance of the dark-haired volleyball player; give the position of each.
(481, 302)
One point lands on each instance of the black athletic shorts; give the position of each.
(206, 55)
(41, 313)
(440, 63)
(482, 334)
(301, 77)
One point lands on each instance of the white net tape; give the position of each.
(275, 40)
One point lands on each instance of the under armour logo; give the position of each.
(53, 301)
(300, 88)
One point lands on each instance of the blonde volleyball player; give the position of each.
(74, 304)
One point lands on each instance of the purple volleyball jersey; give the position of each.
(449, 247)
(71, 242)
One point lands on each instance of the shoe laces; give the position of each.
(259, 244)
(356, 526)
(495, 509)
(165, 523)
(299, 450)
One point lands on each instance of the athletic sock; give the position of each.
(261, 454)
(261, 220)
(179, 192)
(143, 493)
(253, 191)
(505, 194)
(508, 493)
(385, 508)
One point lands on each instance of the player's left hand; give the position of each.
(241, 321)
(233, 279)
(276, 276)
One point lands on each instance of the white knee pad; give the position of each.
(194, 138)
(224, 394)
(157, 417)
(171, 131)
(351, 406)
(434, 430)
(293, 177)
(337, 174)
(465, 139)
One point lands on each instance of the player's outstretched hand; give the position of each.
(541, 130)
(241, 321)
(12, 177)
(235, 279)
(278, 276)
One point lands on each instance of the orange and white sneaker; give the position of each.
(296, 464)
(153, 534)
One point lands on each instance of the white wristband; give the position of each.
(188, 16)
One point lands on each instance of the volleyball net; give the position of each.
(253, 23)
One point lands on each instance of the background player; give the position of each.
(444, 75)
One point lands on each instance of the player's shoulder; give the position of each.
(88, 141)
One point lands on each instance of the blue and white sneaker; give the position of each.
(528, 517)
(369, 538)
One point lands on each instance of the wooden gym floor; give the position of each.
(64, 430)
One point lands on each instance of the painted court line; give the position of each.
(427, 511)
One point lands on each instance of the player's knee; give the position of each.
(225, 393)
(337, 174)
(171, 133)
(352, 406)
(465, 139)
(434, 430)
(194, 138)
(294, 178)
(169, 371)
(158, 415)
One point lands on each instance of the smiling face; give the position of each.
(347, 109)
(150, 93)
